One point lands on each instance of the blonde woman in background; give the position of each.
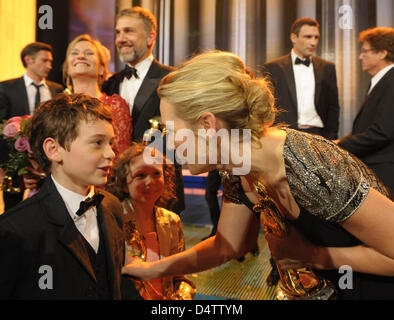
(338, 212)
(84, 71)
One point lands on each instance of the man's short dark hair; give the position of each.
(296, 26)
(33, 48)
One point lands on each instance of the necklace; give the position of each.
(294, 284)
(271, 218)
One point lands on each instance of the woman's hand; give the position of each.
(137, 268)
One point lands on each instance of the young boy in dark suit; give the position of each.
(53, 245)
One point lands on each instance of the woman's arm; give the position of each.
(359, 258)
(372, 223)
(236, 223)
(295, 252)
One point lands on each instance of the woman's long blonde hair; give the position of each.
(218, 82)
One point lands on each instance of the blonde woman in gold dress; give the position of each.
(336, 212)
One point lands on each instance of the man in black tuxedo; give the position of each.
(305, 86)
(372, 137)
(136, 30)
(20, 96)
(135, 38)
(67, 241)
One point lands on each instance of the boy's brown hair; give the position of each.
(59, 118)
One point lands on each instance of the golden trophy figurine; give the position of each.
(294, 284)
(9, 185)
(155, 125)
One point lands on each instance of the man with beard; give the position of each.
(136, 30)
(135, 36)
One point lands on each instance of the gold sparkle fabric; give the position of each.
(324, 179)
(171, 240)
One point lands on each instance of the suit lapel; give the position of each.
(365, 103)
(110, 232)
(373, 93)
(21, 95)
(72, 239)
(67, 233)
(317, 70)
(113, 241)
(289, 75)
(148, 87)
(380, 83)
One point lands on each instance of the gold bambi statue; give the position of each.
(8, 185)
(155, 124)
(294, 284)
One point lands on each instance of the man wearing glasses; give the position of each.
(372, 137)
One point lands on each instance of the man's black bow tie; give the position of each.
(306, 62)
(129, 72)
(89, 202)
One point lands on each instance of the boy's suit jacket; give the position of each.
(39, 233)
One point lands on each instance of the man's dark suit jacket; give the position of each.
(280, 72)
(13, 97)
(372, 138)
(147, 106)
(147, 102)
(40, 232)
(14, 102)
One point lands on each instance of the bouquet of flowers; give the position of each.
(19, 151)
